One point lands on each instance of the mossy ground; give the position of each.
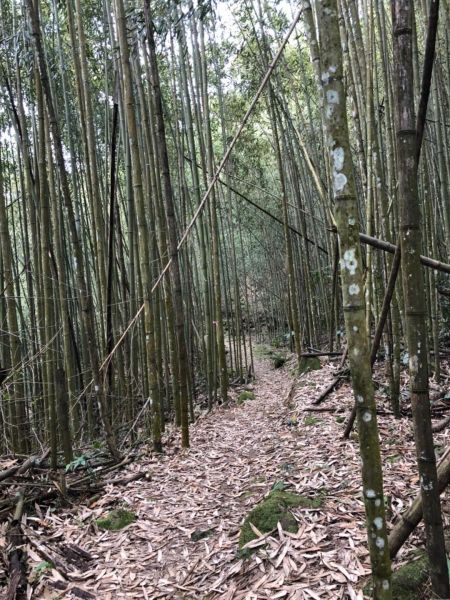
(277, 356)
(279, 360)
(116, 519)
(263, 351)
(276, 507)
(245, 395)
(409, 582)
(308, 363)
(310, 420)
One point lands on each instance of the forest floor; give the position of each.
(237, 454)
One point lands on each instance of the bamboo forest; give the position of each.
(225, 299)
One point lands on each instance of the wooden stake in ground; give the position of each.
(344, 193)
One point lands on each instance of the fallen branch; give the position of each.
(63, 586)
(47, 554)
(437, 411)
(341, 376)
(33, 461)
(337, 409)
(443, 292)
(441, 425)
(118, 481)
(314, 354)
(73, 488)
(437, 265)
(413, 515)
(330, 388)
(15, 555)
(331, 409)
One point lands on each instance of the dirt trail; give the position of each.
(237, 454)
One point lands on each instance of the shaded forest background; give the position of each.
(139, 266)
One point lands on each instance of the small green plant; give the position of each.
(41, 568)
(263, 351)
(279, 486)
(78, 461)
(277, 342)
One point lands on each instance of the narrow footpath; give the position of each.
(184, 543)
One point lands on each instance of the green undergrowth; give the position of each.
(116, 519)
(279, 357)
(275, 507)
(409, 582)
(263, 350)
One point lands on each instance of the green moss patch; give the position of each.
(279, 360)
(311, 420)
(116, 519)
(409, 582)
(245, 395)
(276, 507)
(278, 357)
(308, 363)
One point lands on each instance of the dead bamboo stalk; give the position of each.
(16, 557)
(33, 461)
(413, 515)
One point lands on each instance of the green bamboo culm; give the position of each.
(347, 222)
(414, 296)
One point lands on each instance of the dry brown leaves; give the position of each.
(237, 454)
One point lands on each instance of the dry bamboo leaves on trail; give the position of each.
(238, 453)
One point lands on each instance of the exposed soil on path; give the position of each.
(238, 453)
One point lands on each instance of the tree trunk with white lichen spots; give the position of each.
(414, 292)
(346, 217)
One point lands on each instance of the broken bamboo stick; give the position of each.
(33, 461)
(16, 557)
(413, 515)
